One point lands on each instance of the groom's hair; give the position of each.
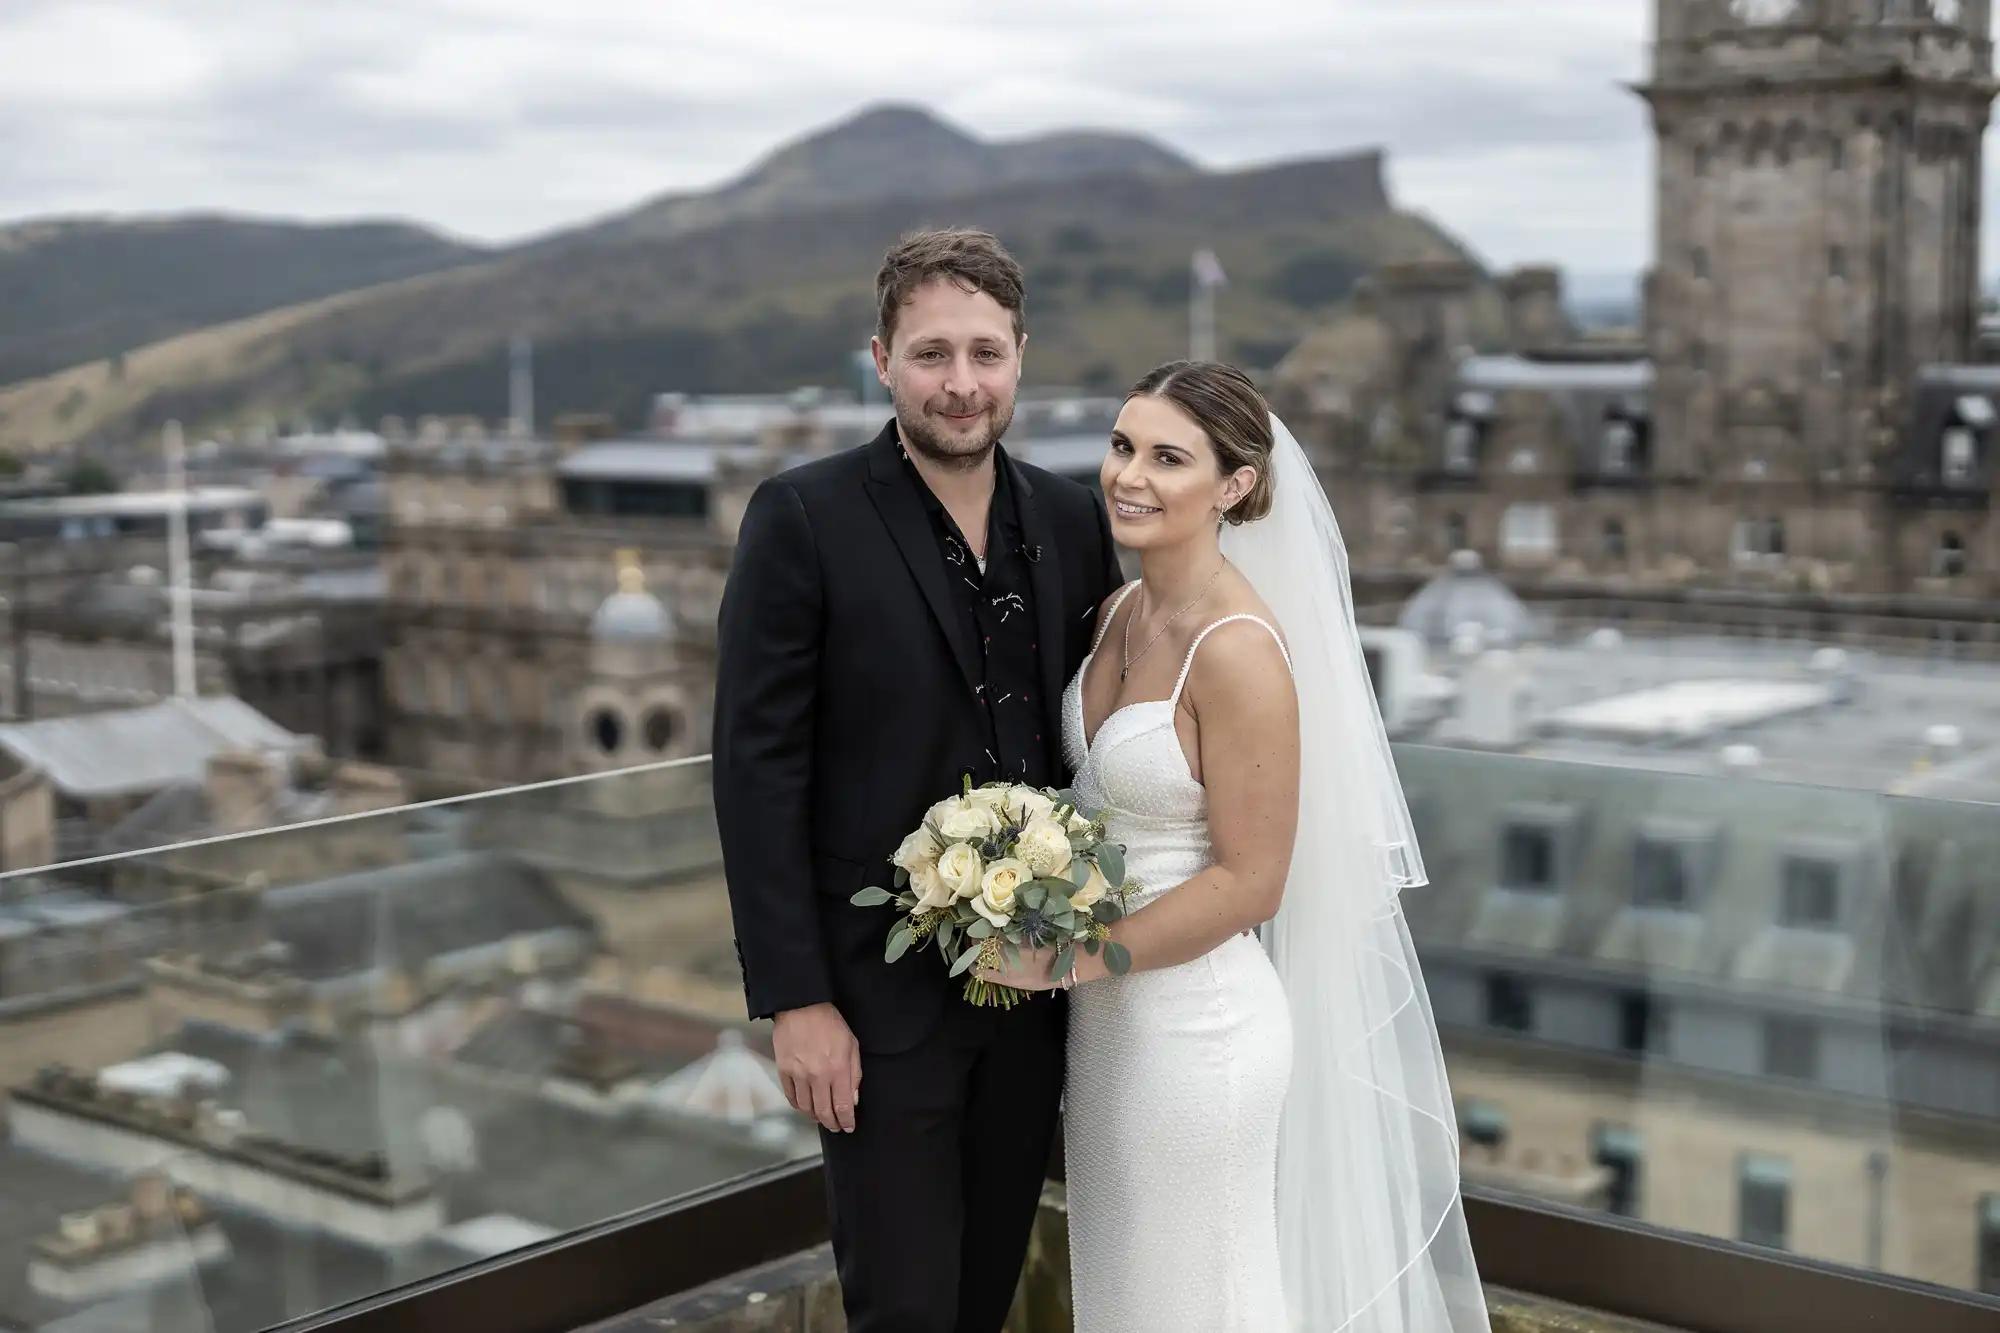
(975, 260)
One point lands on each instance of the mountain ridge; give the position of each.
(767, 299)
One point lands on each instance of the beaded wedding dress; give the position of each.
(1176, 1077)
(1262, 1140)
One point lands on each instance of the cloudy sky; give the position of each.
(496, 119)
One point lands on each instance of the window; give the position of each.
(1791, 1048)
(1619, 447)
(1758, 538)
(1810, 893)
(1528, 529)
(1763, 1200)
(1836, 154)
(1959, 456)
(1614, 540)
(1455, 538)
(1948, 561)
(606, 730)
(1483, 1122)
(1836, 359)
(1836, 261)
(1509, 1003)
(1528, 858)
(1698, 356)
(1461, 448)
(1700, 261)
(1642, 1023)
(1619, 1147)
(1662, 874)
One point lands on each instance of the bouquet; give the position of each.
(1001, 868)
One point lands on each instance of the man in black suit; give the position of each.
(898, 617)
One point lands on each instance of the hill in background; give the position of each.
(767, 283)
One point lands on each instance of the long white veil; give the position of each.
(1371, 1226)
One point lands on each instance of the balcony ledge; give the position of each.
(801, 1294)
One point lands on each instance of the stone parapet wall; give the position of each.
(801, 1294)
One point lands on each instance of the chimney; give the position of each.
(1493, 697)
(357, 787)
(1536, 320)
(243, 790)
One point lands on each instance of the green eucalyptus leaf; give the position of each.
(946, 933)
(980, 929)
(1117, 957)
(1065, 960)
(1111, 860)
(902, 878)
(1079, 873)
(899, 941)
(1035, 895)
(872, 897)
(965, 961)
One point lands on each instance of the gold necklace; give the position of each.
(1126, 648)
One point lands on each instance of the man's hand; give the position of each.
(820, 1063)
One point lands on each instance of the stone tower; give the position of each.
(1818, 225)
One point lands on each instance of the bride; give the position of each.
(1260, 1136)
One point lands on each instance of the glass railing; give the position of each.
(262, 1075)
(1761, 1011)
(257, 1076)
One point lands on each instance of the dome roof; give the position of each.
(632, 615)
(1465, 595)
(731, 1083)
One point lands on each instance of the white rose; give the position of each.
(1078, 824)
(1093, 890)
(942, 811)
(1028, 805)
(960, 868)
(969, 823)
(932, 892)
(919, 849)
(993, 799)
(1044, 846)
(1002, 882)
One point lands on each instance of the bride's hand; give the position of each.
(1026, 969)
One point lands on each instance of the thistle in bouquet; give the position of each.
(1003, 868)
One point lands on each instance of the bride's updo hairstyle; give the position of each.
(1226, 405)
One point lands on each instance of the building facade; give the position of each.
(1806, 418)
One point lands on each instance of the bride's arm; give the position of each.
(1248, 716)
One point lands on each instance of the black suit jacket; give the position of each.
(844, 709)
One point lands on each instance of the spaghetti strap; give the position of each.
(1117, 600)
(1207, 630)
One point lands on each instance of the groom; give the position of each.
(900, 616)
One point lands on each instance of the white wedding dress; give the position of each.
(1177, 1077)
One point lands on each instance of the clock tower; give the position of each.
(1817, 235)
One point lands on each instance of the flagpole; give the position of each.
(178, 591)
(1206, 274)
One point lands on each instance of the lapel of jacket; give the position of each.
(1045, 572)
(892, 487)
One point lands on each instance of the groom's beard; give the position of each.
(923, 434)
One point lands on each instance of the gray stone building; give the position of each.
(1801, 425)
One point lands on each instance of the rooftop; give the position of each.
(131, 751)
(1791, 711)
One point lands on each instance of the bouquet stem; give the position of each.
(989, 996)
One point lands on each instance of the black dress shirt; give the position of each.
(998, 604)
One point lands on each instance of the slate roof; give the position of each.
(410, 914)
(136, 750)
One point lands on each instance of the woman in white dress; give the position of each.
(1259, 1133)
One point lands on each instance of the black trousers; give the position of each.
(934, 1193)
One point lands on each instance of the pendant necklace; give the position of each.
(1126, 650)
